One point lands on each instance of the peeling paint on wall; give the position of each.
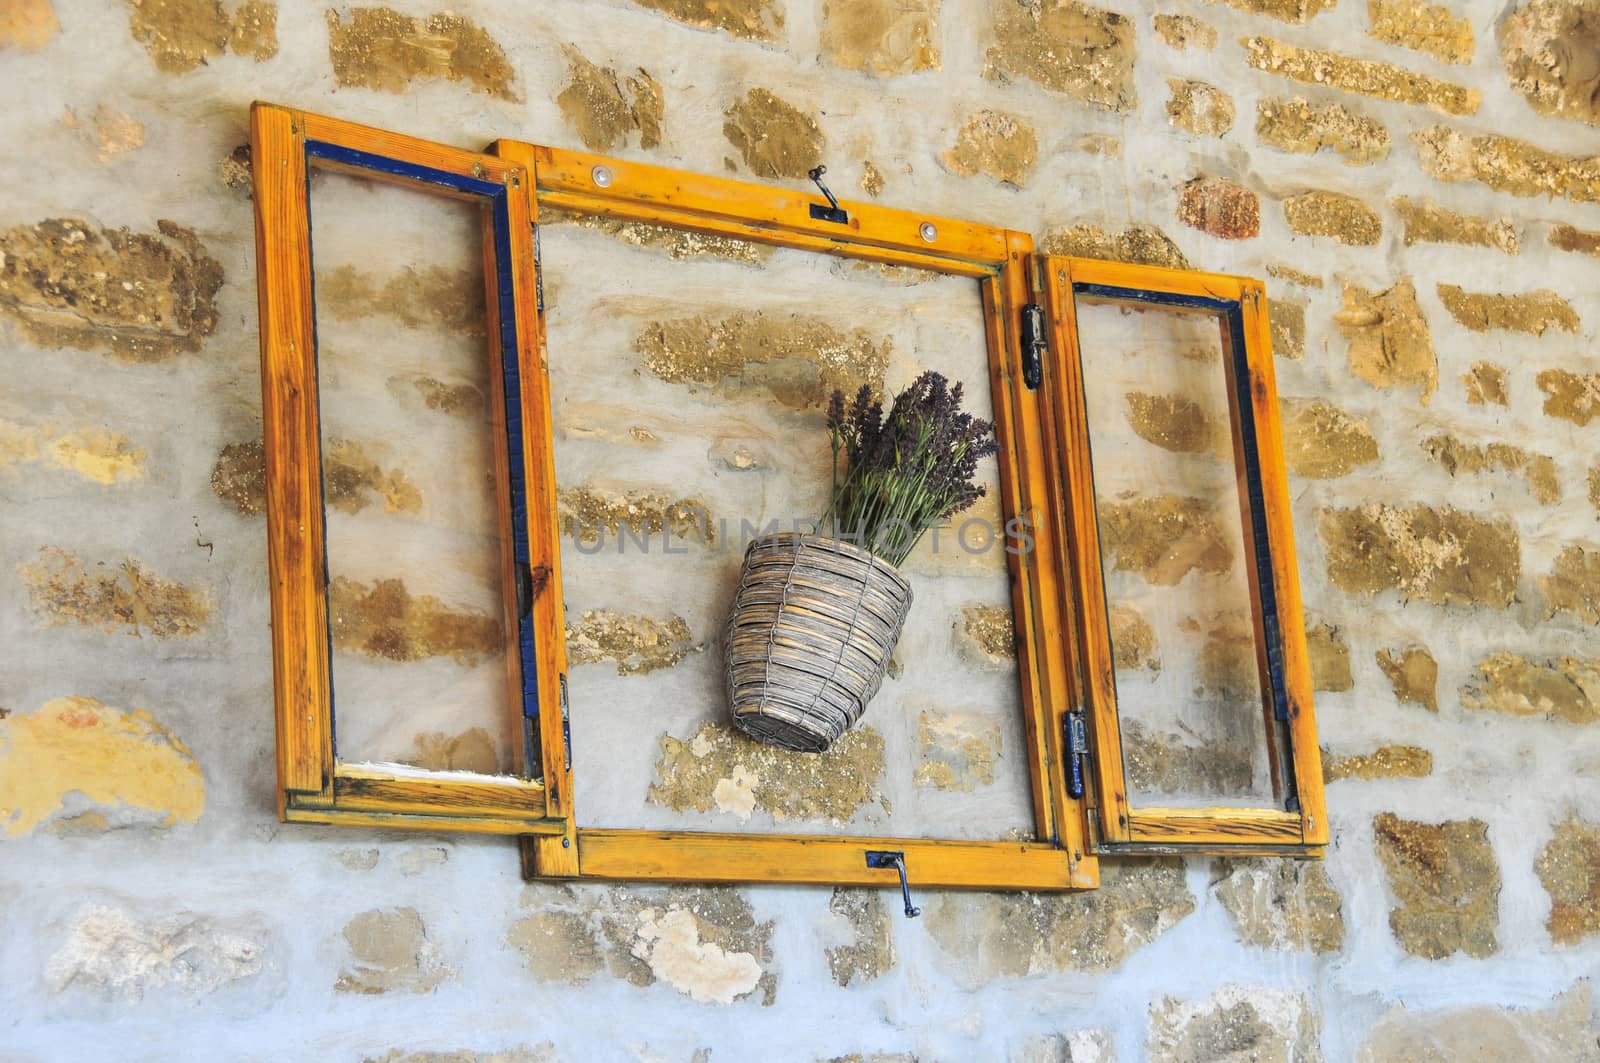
(75, 755)
(92, 452)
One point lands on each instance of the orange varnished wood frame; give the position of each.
(1117, 825)
(999, 260)
(1057, 595)
(313, 785)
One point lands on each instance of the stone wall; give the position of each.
(1419, 185)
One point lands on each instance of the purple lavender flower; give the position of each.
(913, 467)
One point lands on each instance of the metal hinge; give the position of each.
(566, 722)
(1033, 344)
(1075, 732)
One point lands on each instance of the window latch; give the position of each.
(1076, 733)
(1033, 344)
(832, 212)
(877, 858)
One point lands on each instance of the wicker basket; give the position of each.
(809, 636)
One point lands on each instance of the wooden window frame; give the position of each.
(313, 786)
(1000, 260)
(1301, 827)
(1058, 593)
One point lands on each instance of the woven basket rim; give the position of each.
(836, 545)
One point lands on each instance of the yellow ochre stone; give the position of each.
(1282, 10)
(184, 35)
(757, 20)
(451, 300)
(1385, 762)
(987, 634)
(678, 244)
(1321, 441)
(1564, 688)
(1390, 343)
(1459, 456)
(1414, 675)
(380, 48)
(798, 359)
(1447, 881)
(1551, 52)
(1174, 422)
(606, 108)
(1570, 396)
(1366, 77)
(1573, 585)
(1343, 217)
(1428, 28)
(1330, 658)
(1199, 108)
(1486, 384)
(1133, 640)
(92, 452)
(1143, 245)
(1185, 31)
(141, 296)
(996, 145)
(590, 514)
(1507, 165)
(1298, 126)
(1072, 48)
(1164, 537)
(885, 38)
(1427, 222)
(384, 620)
(1524, 312)
(1569, 869)
(1436, 554)
(28, 25)
(775, 138)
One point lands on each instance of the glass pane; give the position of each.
(689, 376)
(1168, 501)
(414, 593)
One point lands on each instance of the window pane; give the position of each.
(414, 585)
(689, 376)
(1177, 573)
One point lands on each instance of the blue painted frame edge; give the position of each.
(510, 370)
(1233, 313)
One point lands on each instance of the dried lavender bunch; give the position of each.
(906, 471)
